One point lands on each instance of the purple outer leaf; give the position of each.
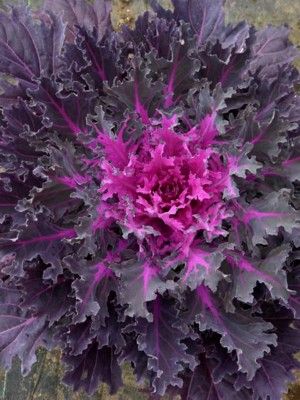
(277, 368)
(20, 334)
(22, 337)
(19, 55)
(245, 273)
(47, 37)
(65, 113)
(79, 13)
(267, 215)
(272, 378)
(160, 340)
(228, 69)
(204, 379)
(92, 289)
(206, 18)
(10, 199)
(235, 36)
(241, 332)
(172, 59)
(137, 94)
(140, 283)
(203, 266)
(291, 166)
(272, 50)
(10, 92)
(94, 360)
(52, 300)
(161, 34)
(28, 50)
(40, 238)
(101, 58)
(110, 332)
(91, 367)
(131, 353)
(76, 338)
(268, 139)
(294, 284)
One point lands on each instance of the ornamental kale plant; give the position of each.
(150, 198)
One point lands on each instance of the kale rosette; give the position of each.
(150, 198)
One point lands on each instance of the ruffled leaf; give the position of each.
(241, 332)
(160, 340)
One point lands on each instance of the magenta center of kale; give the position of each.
(166, 187)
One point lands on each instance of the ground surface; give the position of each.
(44, 381)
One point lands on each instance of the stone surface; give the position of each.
(44, 381)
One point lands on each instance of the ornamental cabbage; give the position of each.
(150, 202)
